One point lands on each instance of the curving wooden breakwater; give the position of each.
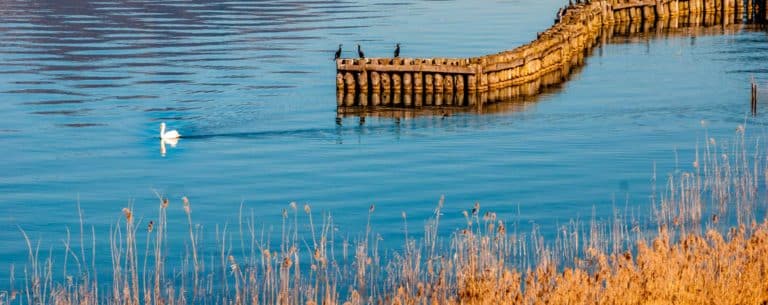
(523, 71)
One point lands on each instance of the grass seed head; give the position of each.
(128, 215)
(187, 208)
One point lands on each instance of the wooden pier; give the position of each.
(524, 71)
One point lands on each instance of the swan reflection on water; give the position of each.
(171, 142)
(170, 137)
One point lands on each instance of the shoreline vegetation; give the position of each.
(705, 242)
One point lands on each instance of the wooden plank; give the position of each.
(634, 4)
(429, 68)
(504, 66)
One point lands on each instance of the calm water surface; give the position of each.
(84, 86)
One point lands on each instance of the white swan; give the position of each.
(171, 134)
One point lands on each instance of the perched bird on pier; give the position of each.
(559, 15)
(360, 52)
(570, 3)
(338, 53)
(397, 50)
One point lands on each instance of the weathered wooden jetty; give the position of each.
(525, 70)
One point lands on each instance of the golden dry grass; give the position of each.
(706, 246)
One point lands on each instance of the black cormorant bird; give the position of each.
(360, 52)
(397, 51)
(338, 53)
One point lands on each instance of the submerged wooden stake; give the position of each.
(753, 104)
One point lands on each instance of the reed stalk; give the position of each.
(705, 241)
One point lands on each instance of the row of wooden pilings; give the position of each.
(523, 71)
(732, 11)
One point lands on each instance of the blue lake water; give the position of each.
(84, 86)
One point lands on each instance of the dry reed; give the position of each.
(706, 244)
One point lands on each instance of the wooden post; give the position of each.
(749, 9)
(661, 10)
(418, 99)
(649, 14)
(634, 15)
(408, 99)
(728, 11)
(700, 7)
(407, 83)
(472, 98)
(709, 7)
(407, 89)
(459, 81)
(386, 83)
(753, 103)
(386, 99)
(674, 8)
(339, 82)
(397, 88)
(493, 95)
(375, 82)
(448, 84)
(692, 6)
(349, 82)
(764, 11)
(493, 79)
(428, 87)
(397, 83)
(483, 82)
(418, 82)
(362, 99)
(362, 82)
(349, 99)
(472, 83)
(438, 83)
(448, 89)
